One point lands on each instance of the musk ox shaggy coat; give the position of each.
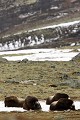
(62, 104)
(31, 103)
(56, 97)
(13, 101)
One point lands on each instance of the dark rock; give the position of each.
(52, 85)
(77, 57)
(3, 60)
(25, 60)
(12, 81)
(19, 61)
(64, 76)
(52, 66)
(76, 73)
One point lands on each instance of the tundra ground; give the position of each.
(35, 78)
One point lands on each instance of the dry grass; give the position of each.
(24, 1)
(13, 81)
(19, 78)
(70, 115)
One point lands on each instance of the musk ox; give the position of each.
(62, 104)
(13, 101)
(56, 97)
(31, 103)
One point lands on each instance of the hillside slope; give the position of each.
(20, 16)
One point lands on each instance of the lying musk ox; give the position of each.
(56, 97)
(62, 104)
(31, 103)
(13, 101)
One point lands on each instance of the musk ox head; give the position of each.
(62, 104)
(13, 101)
(56, 97)
(32, 103)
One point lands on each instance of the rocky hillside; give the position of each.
(20, 16)
(14, 12)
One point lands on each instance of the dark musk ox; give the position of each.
(56, 97)
(13, 101)
(31, 103)
(62, 104)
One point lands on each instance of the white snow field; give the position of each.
(45, 107)
(41, 54)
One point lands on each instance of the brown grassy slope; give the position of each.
(43, 74)
(35, 78)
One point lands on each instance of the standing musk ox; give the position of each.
(62, 104)
(56, 97)
(31, 103)
(13, 101)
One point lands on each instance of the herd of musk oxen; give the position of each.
(59, 102)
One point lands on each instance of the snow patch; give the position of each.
(9, 109)
(45, 107)
(41, 55)
(77, 105)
